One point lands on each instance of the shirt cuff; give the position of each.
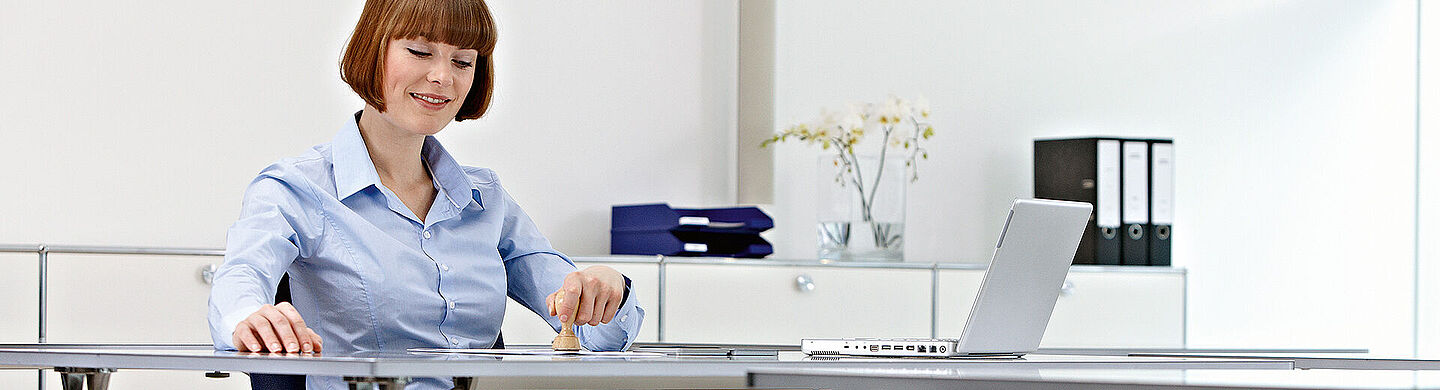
(617, 335)
(625, 298)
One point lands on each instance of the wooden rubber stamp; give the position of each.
(566, 340)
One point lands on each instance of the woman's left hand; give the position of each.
(597, 291)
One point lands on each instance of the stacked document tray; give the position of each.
(658, 229)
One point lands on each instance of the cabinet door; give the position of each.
(523, 327)
(1119, 309)
(20, 307)
(1096, 309)
(707, 303)
(19, 379)
(127, 299)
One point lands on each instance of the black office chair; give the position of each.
(297, 382)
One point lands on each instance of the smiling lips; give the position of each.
(430, 101)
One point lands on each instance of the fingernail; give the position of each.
(275, 347)
(254, 347)
(293, 347)
(308, 348)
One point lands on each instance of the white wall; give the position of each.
(1293, 122)
(140, 123)
(1427, 343)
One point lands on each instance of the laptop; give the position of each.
(1017, 295)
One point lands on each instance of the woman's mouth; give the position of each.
(433, 102)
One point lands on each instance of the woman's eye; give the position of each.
(462, 64)
(418, 53)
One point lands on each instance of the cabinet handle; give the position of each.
(1068, 288)
(804, 283)
(207, 273)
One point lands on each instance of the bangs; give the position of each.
(462, 23)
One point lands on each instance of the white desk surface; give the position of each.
(1023, 379)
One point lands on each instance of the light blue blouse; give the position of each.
(366, 274)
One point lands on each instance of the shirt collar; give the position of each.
(355, 171)
(452, 179)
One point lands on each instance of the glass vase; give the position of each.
(861, 208)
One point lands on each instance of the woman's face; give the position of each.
(425, 83)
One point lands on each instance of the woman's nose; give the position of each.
(442, 75)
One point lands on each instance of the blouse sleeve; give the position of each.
(534, 270)
(271, 233)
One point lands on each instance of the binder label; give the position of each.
(695, 221)
(1107, 163)
(1162, 184)
(1136, 186)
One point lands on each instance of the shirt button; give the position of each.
(427, 234)
(444, 267)
(624, 317)
(451, 304)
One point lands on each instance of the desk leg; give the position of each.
(372, 383)
(75, 378)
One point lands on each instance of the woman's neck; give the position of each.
(395, 152)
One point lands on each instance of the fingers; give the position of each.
(588, 296)
(550, 303)
(593, 296)
(302, 332)
(261, 326)
(288, 341)
(315, 337)
(244, 338)
(275, 329)
(612, 306)
(569, 299)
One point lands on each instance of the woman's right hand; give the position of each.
(275, 328)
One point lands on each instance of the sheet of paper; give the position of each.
(534, 352)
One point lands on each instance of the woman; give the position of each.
(389, 243)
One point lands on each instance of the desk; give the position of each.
(1340, 361)
(1226, 352)
(1051, 379)
(387, 369)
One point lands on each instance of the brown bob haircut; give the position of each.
(462, 23)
